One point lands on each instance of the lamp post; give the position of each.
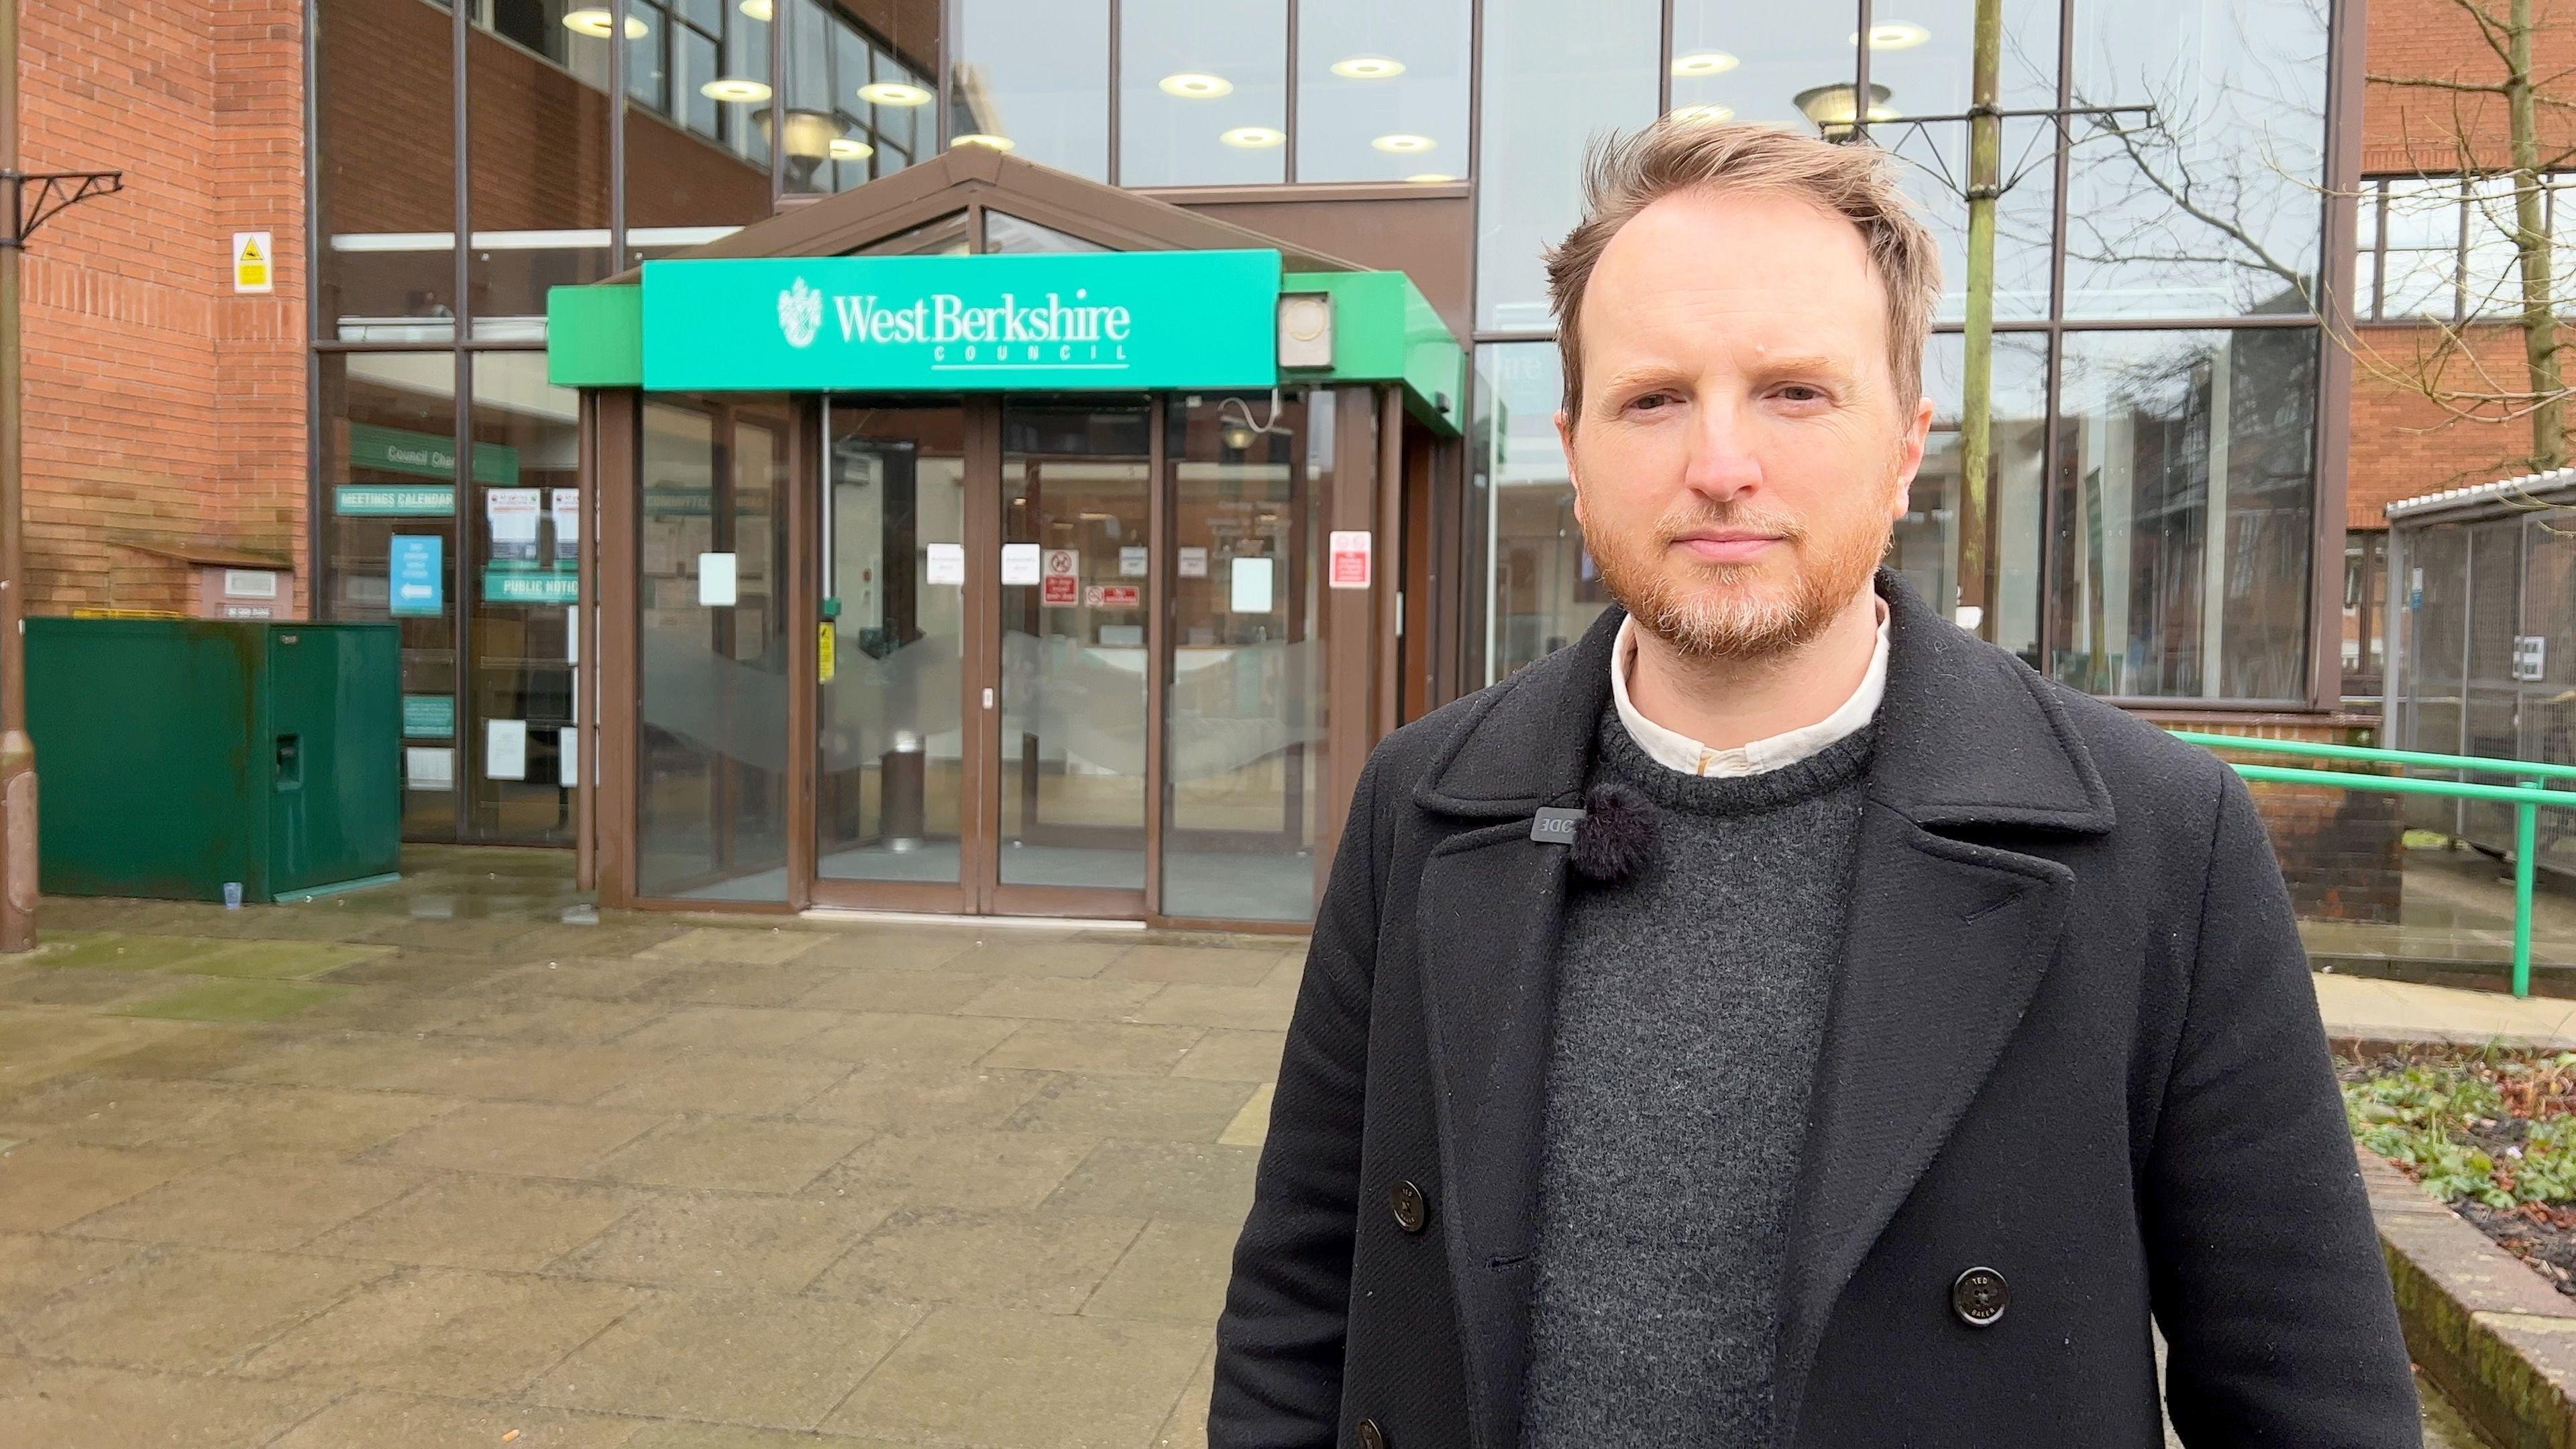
(30, 198)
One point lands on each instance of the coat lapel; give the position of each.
(1945, 945)
(1492, 904)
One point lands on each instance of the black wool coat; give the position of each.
(2072, 1040)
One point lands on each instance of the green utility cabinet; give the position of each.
(175, 755)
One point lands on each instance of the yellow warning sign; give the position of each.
(254, 253)
(823, 654)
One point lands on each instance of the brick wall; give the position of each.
(2342, 852)
(160, 407)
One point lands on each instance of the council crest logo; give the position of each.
(800, 314)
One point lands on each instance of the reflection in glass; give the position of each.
(1202, 92)
(711, 786)
(1546, 591)
(1074, 487)
(858, 104)
(1004, 232)
(538, 145)
(2184, 492)
(1733, 61)
(1923, 58)
(1368, 70)
(888, 799)
(684, 185)
(388, 455)
(2217, 208)
(1927, 538)
(1035, 74)
(386, 166)
(524, 580)
(1246, 732)
(1548, 86)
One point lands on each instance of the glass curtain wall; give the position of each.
(2159, 350)
(482, 571)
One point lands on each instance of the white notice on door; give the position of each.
(1251, 586)
(568, 747)
(426, 768)
(513, 515)
(505, 749)
(1193, 563)
(1019, 563)
(1131, 562)
(947, 563)
(715, 581)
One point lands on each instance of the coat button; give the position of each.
(1979, 1297)
(1411, 1212)
(1371, 1437)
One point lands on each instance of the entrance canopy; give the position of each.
(982, 272)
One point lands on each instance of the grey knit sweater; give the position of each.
(1690, 1007)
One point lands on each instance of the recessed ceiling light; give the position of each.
(894, 93)
(1430, 178)
(735, 89)
(758, 10)
(1191, 85)
(1368, 67)
(850, 148)
(1254, 138)
(1404, 143)
(1704, 62)
(986, 140)
(595, 21)
(1894, 35)
(1708, 112)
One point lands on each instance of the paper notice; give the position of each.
(1251, 586)
(1019, 563)
(505, 749)
(947, 564)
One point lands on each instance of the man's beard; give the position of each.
(1715, 611)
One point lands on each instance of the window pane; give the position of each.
(2164, 432)
(856, 109)
(711, 801)
(387, 171)
(388, 454)
(1246, 736)
(2494, 268)
(1034, 75)
(1732, 61)
(537, 130)
(1004, 232)
(2215, 209)
(1368, 70)
(524, 580)
(1923, 61)
(1202, 92)
(2423, 268)
(1927, 538)
(1545, 589)
(684, 187)
(1548, 87)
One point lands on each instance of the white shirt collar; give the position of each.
(1676, 751)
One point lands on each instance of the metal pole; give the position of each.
(2526, 844)
(17, 751)
(1977, 371)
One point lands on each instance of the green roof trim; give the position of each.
(1385, 330)
(595, 336)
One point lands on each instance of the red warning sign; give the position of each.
(1112, 596)
(1350, 551)
(1059, 581)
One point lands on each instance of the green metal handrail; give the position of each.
(2527, 800)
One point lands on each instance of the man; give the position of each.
(1894, 1034)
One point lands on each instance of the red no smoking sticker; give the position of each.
(1350, 566)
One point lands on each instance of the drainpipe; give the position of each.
(17, 751)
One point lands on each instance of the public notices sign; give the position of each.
(1350, 566)
(1060, 579)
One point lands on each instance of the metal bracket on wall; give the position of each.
(36, 197)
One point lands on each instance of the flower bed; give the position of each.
(2492, 1133)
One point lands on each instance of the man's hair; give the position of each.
(1623, 175)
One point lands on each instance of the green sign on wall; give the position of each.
(530, 586)
(429, 716)
(1083, 320)
(393, 500)
(427, 455)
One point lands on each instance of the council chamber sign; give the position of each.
(1068, 320)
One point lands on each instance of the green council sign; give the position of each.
(1090, 320)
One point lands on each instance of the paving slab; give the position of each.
(725, 1240)
(468, 1220)
(418, 1421)
(45, 1185)
(1018, 1380)
(253, 1201)
(531, 1138)
(754, 1359)
(445, 1331)
(1045, 1262)
(69, 1405)
(187, 1310)
(742, 1153)
(891, 1097)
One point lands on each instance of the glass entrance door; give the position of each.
(1077, 587)
(895, 811)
